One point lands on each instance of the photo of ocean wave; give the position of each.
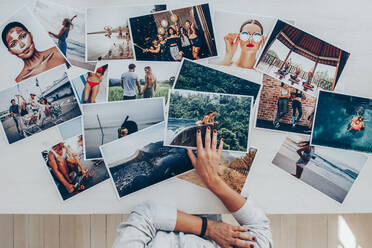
(330, 171)
(176, 126)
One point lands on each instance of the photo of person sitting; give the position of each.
(19, 42)
(92, 84)
(208, 119)
(357, 123)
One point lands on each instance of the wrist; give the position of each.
(210, 227)
(215, 184)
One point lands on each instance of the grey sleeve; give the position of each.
(143, 223)
(255, 219)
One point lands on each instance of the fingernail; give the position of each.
(222, 139)
(215, 131)
(208, 127)
(198, 131)
(254, 239)
(252, 245)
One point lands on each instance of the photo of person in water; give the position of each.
(284, 108)
(331, 171)
(343, 121)
(173, 35)
(26, 49)
(240, 39)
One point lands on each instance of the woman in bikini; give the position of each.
(92, 85)
(150, 83)
(19, 42)
(63, 34)
(208, 119)
(251, 40)
(357, 123)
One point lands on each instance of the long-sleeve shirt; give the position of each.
(152, 225)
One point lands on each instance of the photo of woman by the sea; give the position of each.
(331, 171)
(343, 121)
(31, 51)
(62, 35)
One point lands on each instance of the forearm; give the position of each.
(227, 59)
(188, 223)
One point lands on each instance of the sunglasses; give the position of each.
(256, 37)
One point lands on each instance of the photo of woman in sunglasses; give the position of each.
(240, 39)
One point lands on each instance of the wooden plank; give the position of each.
(66, 231)
(289, 232)
(113, 221)
(276, 230)
(312, 231)
(357, 227)
(35, 230)
(82, 231)
(20, 233)
(333, 240)
(6, 230)
(98, 233)
(51, 230)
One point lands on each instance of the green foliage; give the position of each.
(233, 114)
(197, 77)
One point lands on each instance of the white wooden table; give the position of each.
(25, 186)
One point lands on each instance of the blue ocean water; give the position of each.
(178, 124)
(76, 49)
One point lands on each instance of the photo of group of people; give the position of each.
(300, 59)
(189, 111)
(91, 87)
(37, 104)
(284, 108)
(26, 50)
(139, 79)
(333, 172)
(173, 35)
(108, 35)
(70, 172)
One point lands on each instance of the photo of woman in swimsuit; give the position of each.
(19, 42)
(93, 82)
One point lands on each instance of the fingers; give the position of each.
(191, 156)
(220, 147)
(214, 140)
(244, 236)
(242, 244)
(199, 142)
(240, 228)
(208, 139)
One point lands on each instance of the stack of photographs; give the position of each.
(151, 77)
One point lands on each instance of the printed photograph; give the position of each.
(71, 174)
(141, 160)
(240, 38)
(173, 35)
(66, 26)
(106, 122)
(233, 169)
(107, 30)
(301, 60)
(332, 172)
(91, 87)
(190, 111)
(284, 108)
(343, 121)
(71, 128)
(26, 49)
(194, 76)
(37, 104)
(129, 79)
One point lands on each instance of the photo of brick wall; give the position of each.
(287, 120)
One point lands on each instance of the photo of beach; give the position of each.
(106, 122)
(66, 26)
(190, 111)
(141, 160)
(343, 121)
(332, 172)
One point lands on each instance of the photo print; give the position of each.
(66, 26)
(107, 31)
(70, 173)
(194, 76)
(343, 121)
(190, 111)
(26, 49)
(91, 87)
(141, 160)
(240, 39)
(174, 34)
(140, 79)
(37, 104)
(284, 108)
(332, 172)
(300, 59)
(106, 122)
(233, 169)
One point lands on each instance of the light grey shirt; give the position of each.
(152, 225)
(129, 82)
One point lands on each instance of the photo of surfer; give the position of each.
(174, 34)
(343, 121)
(70, 172)
(26, 50)
(332, 172)
(141, 160)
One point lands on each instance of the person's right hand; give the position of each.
(231, 42)
(228, 236)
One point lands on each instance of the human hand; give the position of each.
(231, 42)
(208, 158)
(228, 236)
(84, 173)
